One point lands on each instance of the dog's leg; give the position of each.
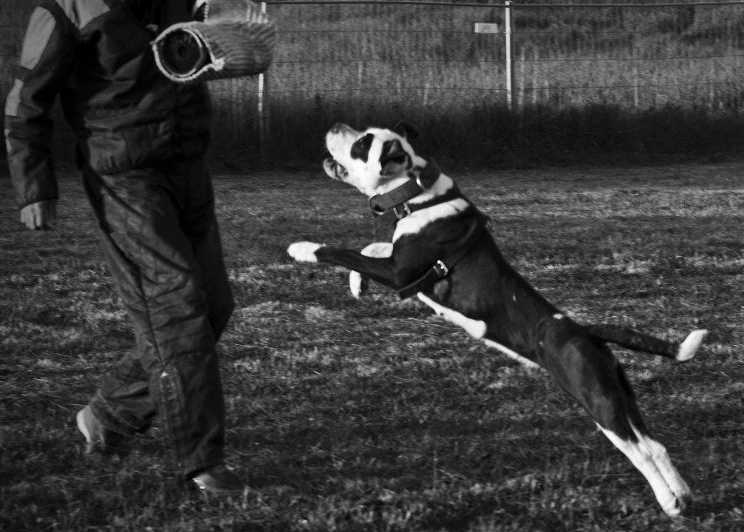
(475, 328)
(357, 282)
(379, 269)
(638, 341)
(690, 345)
(588, 371)
(304, 251)
(661, 458)
(526, 362)
(651, 459)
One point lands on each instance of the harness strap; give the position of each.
(442, 267)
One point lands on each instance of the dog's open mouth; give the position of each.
(334, 169)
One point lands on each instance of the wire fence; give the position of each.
(357, 60)
(360, 60)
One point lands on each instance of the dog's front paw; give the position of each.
(304, 251)
(358, 284)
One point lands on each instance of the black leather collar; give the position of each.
(396, 201)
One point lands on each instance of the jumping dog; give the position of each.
(442, 252)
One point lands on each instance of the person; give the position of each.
(141, 145)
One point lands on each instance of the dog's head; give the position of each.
(372, 160)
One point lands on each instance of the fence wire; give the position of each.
(633, 55)
(351, 59)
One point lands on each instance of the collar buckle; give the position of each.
(402, 210)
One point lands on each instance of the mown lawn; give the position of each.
(375, 415)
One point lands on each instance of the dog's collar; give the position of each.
(396, 201)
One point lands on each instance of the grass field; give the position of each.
(375, 415)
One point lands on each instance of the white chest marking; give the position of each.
(415, 222)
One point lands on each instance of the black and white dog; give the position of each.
(442, 252)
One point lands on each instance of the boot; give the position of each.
(218, 480)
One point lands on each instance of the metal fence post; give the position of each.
(262, 107)
(509, 66)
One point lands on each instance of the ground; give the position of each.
(374, 414)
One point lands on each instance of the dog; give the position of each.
(442, 252)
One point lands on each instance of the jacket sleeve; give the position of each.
(46, 61)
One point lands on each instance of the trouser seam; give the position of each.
(166, 400)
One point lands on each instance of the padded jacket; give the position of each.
(96, 55)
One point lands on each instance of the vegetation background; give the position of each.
(592, 84)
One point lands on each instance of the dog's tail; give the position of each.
(646, 343)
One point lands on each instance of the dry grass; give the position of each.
(374, 415)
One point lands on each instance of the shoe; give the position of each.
(218, 480)
(97, 438)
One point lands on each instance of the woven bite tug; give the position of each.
(220, 47)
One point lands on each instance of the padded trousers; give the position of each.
(162, 244)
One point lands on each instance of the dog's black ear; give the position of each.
(426, 175)
(360, 148)
(393, 158)
(405, 130)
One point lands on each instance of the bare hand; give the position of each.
(39, 215)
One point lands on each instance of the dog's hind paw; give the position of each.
(358, 284)
(304, 251)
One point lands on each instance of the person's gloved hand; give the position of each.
(39, 215)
